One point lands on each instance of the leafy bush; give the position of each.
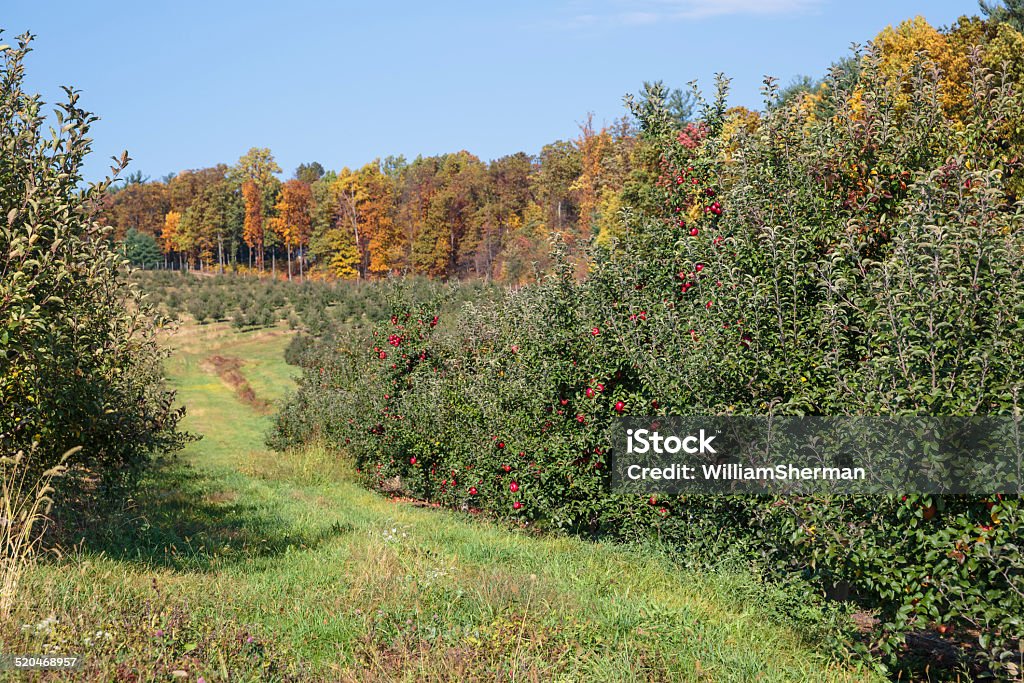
(79, 363)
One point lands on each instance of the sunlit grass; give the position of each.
(267, 566)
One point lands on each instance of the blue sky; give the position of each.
(190, 84)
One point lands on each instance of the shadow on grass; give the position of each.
(184, 519)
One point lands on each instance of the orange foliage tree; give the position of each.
(252, 230)
(257, 166)
(294, 219)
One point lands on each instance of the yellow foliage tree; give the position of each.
(609, 223)
(593, 146)
(1006, 51)
(604, 164)
(740, 121)
(915, 45)
(525, 248)
(170, 235)
(343, 256)
(381, 243)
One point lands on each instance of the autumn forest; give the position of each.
(442, 216)
(455, 215)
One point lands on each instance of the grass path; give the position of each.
(244, 564)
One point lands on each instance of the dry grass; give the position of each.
(229, 369)
(24, 504)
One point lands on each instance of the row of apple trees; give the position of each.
(858, 250)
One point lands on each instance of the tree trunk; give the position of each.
(289, 249)
(359, 249)
(353, 214)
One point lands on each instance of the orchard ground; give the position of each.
(238, 563)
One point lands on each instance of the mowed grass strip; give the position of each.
(237, 563)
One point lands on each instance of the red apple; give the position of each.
(513, 487)
(619, 406)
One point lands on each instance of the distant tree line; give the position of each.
(457, 216)
(444, 216)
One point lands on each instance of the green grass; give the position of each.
(237, 563)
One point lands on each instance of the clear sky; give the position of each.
(189, 83)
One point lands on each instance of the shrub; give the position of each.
(79, 363)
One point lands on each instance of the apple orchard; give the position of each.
(855, 251)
